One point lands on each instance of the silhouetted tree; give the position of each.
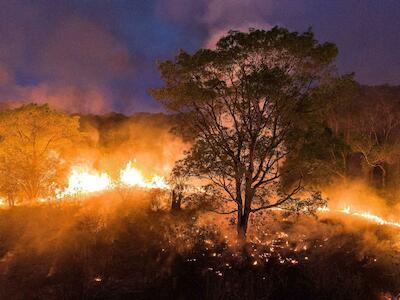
(246, 101)
(178, 185)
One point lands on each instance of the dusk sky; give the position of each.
(100, 56)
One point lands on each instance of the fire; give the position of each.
(85, 181)
(365, 215)
(130, 176)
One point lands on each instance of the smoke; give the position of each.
(361, 197)
(68, 98)
(222, 16)
(84, 57)
(217, 34)
(50, 53)
(216, 17)
(145, 139)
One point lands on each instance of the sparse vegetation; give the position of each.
(108, 248)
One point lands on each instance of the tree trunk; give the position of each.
(176, 200)
(244, 214)
(384, 175)
(11, 201)
(243, 219)
(242, 224)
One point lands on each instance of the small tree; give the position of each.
(178, 184)
(35, 145)
(246, 102)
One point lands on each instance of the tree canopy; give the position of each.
(35, 142)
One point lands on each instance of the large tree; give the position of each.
(35, 144)
(248, 104)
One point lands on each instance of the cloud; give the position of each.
(111, 48)
(107, 49)
(236, 12)
(5, 76)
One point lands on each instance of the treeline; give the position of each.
(363, 128)
(368, 122)
(362, 134)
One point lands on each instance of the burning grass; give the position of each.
(84, 181)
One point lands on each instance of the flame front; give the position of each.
(130, 176)
(365, 215)
(84, 181)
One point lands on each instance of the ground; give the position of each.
(111, 248)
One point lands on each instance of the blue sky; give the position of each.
(95, 56)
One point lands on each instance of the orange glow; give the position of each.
(132, 177)
(365, 215)
(82, 180)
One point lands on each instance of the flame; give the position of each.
(85, 181)
(130, 176)
(82, 180)
(365, 215)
